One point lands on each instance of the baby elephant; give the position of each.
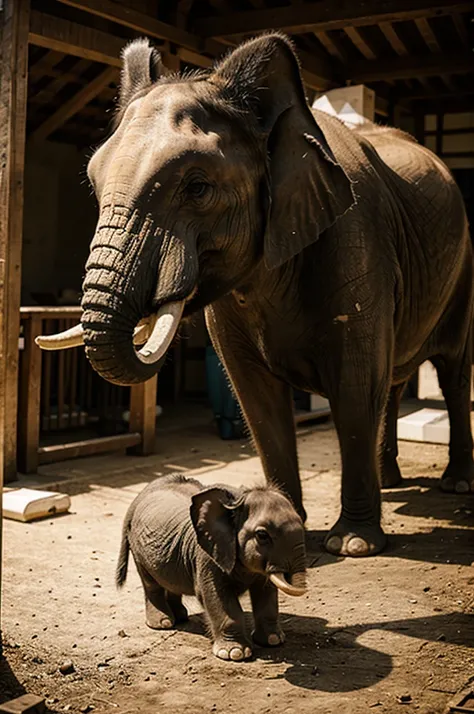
(216, 543)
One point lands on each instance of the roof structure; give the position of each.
(417, 55)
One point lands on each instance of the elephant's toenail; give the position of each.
(223, 654)
(273, 640)
(248, 652)
(236, 654)
(462, 487)
(334, 544)
(166, 623)
(357, 546)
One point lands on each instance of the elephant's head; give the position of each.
(204, 177)
(258, 533)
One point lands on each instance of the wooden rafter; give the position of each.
(325, 15)
(357, 38)
(461, 29)
(393, 38)
(51, 90)
(332, 46)
(71, 38)
(426, 31)
(75, 104)
(407, 67)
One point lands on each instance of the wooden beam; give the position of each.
(75, 104)
(360, 42)
(14, 23)
(407, 67)
(143, 414)
(426, 31)
(30, 398)
(461, 29)
(332, 46)
(71, 38)
(88, 447)
(393, 38)
(127, 16)
(325, 15)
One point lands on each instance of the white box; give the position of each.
(428, 425)
(353, 105)
(27, 504)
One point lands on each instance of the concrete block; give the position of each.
(427, 425)
(26, 704)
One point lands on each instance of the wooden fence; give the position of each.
(59, 393)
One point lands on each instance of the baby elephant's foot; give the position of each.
(267, 635)
(157, 619)
(235, 651)
(355, 539)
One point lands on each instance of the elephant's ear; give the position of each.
(211, 515)
(309, 189)
(141, 68)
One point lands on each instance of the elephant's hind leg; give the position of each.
(179, 611)
(391, 476)
(158, 612)
(454, 374)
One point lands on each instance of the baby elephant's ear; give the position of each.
(213, 523)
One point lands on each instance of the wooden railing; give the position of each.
(59, 392)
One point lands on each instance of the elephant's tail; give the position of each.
(122, 563)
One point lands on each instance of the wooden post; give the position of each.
(143, 415)
(30, 398)
(14, 25)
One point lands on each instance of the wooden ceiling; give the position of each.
(417, 55)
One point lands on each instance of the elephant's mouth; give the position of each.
(155, 333)
(294, 585)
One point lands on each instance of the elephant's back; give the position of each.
(161, 534)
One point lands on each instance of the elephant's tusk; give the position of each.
(296, 588)
(166, 323)
(74, 336)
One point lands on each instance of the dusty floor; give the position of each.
(371, 633)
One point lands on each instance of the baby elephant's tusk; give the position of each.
(296, 588)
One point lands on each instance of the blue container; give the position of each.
(225, 407)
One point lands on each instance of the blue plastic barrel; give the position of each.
(225, 407)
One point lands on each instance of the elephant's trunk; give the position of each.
(135, 270)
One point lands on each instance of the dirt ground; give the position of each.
(393, 633)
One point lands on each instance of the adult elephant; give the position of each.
(332, 260)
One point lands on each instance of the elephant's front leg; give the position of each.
(358, 394)
(224, 613)
(264, 596)
(265, 400)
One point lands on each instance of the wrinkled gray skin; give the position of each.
(332, 260)
(215, 543)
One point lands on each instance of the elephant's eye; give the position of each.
(197, 189)
(262, 536)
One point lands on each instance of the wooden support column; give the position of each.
(30, 398)
(14, 25)
(143, 415)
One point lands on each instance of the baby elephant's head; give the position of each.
(259, 532)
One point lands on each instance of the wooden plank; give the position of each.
(325, 15)
(429, 37)
(73, 39)
(14, 22)
(75, 104)
(143, 414)
(332, 46)
(393, 38)
(461, 29)
(30, 399)
(127, 16)
(360, 42)
(55, 312)
(407, 67)
(88, 447)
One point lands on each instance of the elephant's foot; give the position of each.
(355, 539)
(268, 634)
(157, 619)
(231, 650)
(458, 478)
(391, 475)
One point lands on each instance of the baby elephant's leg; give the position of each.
(159, 614)
(264, 598)
(225, 616)
(179, 611)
